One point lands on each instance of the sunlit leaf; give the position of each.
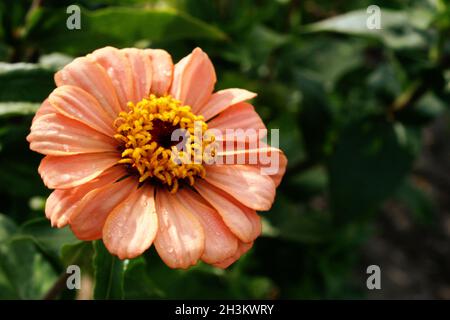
(116, 26)
(17, 108)
(398, 29)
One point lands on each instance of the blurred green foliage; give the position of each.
(350, 103)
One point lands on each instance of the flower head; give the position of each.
(137, 150)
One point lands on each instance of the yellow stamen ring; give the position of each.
(145, 134)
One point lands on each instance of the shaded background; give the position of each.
(363, 118)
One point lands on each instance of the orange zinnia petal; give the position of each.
(77, 104)
(162, 71)
(131, 227)
(220, 242)
(55, 134)
(223, 99)
(241, 116)
(194, 79)
(92, 78)
(264, 155)
(248, 185)
(62, 202)
(71, 171)
(241, 250)
(242, 221)
(89, 218)
(180, 240)
(44, 109)
(141, 70)
(118, 69)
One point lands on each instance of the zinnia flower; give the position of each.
(106, 134)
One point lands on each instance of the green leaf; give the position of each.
(50, 240)
(7, 228)
(399, 29)
(8, 109)
(291, 139)
(292, 221)
(255, 48)
(108, 274)
(370, 161)
(19, 177)
(138, 283)
(25, 82)
(116, 26)
(426, 110)
(148, 277)
(54, 61)
(24, 273)
(151, 278)
(308, 183)
(326, 59)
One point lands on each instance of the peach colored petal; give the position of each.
(223, 99)
(55, 134)
(60, 205)
(71, 171)
(180, 239)
(194, 79)
(118, 69)
(280, 170)
(242, 119)
(88, 219)
(131, 227)
(77, 104)
(242, 249)
(242, 221)
(44, 109)
(92, 78)
(220, 243)
(141, 70)
(245, 183)
(63, 202)
(271, 161)
(162, 71)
